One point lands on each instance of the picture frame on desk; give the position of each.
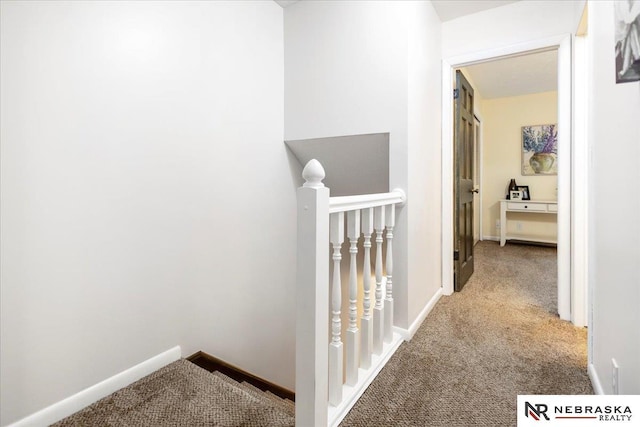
(515, 195)
(524, 189)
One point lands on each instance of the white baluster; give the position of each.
(366, 322)
(336, 233)
(353, 334)
(378, 309)
(390, 219)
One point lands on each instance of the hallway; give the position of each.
(480, 348)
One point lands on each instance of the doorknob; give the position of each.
(474, 190)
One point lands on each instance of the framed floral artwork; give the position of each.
(540, 150)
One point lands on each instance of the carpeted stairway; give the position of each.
(477, 350)
(183, 394)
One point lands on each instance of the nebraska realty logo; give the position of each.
(549, 410)
(536, 411)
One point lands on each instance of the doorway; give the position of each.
(563, 45)
(510, 101)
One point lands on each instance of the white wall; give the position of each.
(344, 72)
(511, 24)
(369, 154)
(614, 230)
(145, 186)
(424, 166)
(359, 67)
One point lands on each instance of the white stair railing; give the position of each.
(324, 394)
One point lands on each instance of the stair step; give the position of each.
(287, 408)
(271, 396)
(251, 387)
(213, 364)
(213, 400)
(278, 402)
(290, 403)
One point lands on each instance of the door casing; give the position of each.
(566, 254)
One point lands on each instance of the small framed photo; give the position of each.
(515, 195)
(524, 189)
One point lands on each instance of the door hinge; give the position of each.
(456, 255)
(456, 93)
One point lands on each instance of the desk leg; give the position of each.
(503, 225)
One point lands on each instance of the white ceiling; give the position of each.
(451, 9)
(446, 9)
(285, 3)
(518, 75)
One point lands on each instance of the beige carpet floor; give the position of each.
(480, 348)
(476, 351)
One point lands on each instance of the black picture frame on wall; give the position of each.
(525, 192)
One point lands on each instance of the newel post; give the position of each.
(312, 299)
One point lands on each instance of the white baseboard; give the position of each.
(407, 334)
(595, 380)
(492, 238)
(71, 405)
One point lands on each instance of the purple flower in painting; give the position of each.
(550, 139)
(540, 139)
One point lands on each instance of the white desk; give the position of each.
(532, 206)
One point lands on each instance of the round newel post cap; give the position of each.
(313, 174)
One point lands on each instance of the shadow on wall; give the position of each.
(355, 164)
